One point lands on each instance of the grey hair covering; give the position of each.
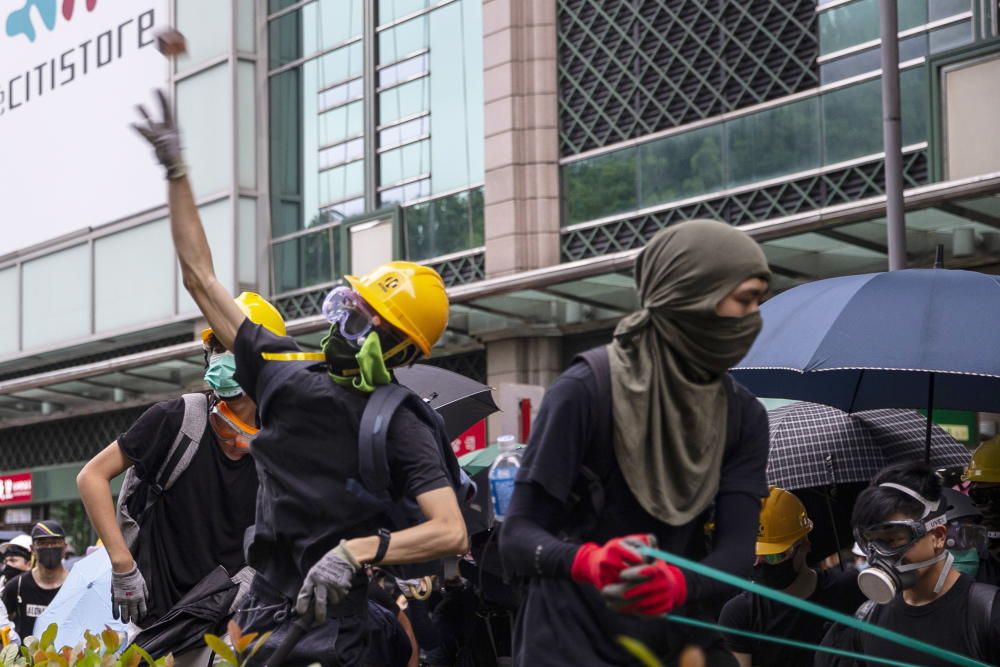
(668, 361)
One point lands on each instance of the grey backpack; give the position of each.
(137, 496)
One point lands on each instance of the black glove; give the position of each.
(164, 137)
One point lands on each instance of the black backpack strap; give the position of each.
(981, 599)
(373, 462)
(185, 445)
(594, 466)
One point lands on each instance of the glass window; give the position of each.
(315, 27)
(9, 294)
(278, 5)
(56, 298)
(341, 94)
(852, 121)
(403, 71)
(246, 85)
(939, 9)
(601, 185)
(858, 22)
(303, 261)
(404, 39)
(782, 140)
(372, 244)
(207, 27)
(390, 10)
(246, 25)
(217, 219)
(404, 193)
(869, 60)
(340, 65)
(443, 226)
(402, 101)
(476, 218)
(205, 115)
(914, 100)
(341, 153)
(951, 37)
(285, 104)
(680, 166)
(134, 277)
(456, 96)
(406, 162)
(246, 261)
(397, 134)
(344, 209)
(341, 123)
(342, 182)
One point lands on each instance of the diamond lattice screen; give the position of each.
(631, 67)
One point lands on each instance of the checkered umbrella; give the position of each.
(816, 445)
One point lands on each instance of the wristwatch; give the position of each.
(383, 545)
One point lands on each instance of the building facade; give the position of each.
(526, 150)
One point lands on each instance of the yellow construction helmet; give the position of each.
(410, 297)
(259, 311)
(985, 463)
(783, 522)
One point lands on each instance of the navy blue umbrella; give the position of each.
(919, 338)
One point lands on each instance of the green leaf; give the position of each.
(111, 639)
(222, 650)
(9, 654)
(131, 657)
(235, 634)
(49, 636)
(93, 641)
(259, 644)
(145, 656)
(640, 651)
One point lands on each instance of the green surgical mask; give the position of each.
(966, 561)
(220, 375)
(371, 370)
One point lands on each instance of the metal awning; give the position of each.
(568, 298)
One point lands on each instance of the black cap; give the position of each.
(47, 528)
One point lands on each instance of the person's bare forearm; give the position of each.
(190, 241)
(426, 541)
(95, 491)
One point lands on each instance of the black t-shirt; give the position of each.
(748, 611)
(943, 623)
(307, 460)
(989, 570)
(199, 523)
(25, 601)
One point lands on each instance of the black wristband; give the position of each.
(383, 545)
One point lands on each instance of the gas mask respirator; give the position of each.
(885, 545)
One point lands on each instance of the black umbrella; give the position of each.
(461, 401)
(204, 609)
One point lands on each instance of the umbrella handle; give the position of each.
(298, 630)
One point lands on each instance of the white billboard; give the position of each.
(71, 73)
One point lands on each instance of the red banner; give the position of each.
(471, 440)
(15, 488)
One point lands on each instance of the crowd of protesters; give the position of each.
(254, 492)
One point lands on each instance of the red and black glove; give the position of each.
(601, 566)
(650, 590)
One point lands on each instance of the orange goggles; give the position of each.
(229, 428)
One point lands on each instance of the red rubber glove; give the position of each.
(601, 566)
(650, 590)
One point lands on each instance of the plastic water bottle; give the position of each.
(502, 474)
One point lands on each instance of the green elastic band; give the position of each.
(811, 607)
(787, 642)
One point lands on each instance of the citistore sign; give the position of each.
(71, 73)
(15, 488)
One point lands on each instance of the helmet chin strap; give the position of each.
(943, 556)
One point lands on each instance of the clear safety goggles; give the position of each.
(230, 429)
(965, 536)
(354, 318)
(894, 538)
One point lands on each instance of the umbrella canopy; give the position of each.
(83, 603)
(817, 445)
(459, 400)
(882, 340)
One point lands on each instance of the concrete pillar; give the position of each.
(522, 137)
(513, 366)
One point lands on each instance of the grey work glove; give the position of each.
(128, 595)
(164, 137)
(328, 581)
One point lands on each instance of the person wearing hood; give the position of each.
(646, 441)
(901, 523)
(782, 547)
(27, 595)
(199, 522)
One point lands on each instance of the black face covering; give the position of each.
(50, 558)
(9, 572)
(778, 576)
